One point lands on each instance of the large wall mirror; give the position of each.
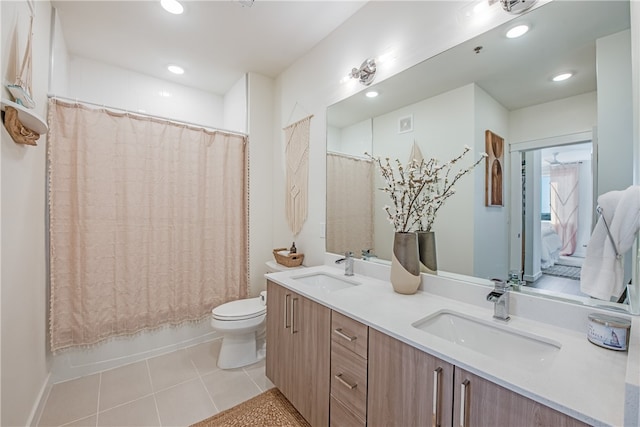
(505, 86)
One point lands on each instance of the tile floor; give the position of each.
(175, 389)
(558, 284)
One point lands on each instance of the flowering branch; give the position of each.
(419, 189)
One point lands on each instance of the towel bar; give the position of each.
(613, 243)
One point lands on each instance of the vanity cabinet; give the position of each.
(479, 402)
(407, 387)
(298, 351)
(349, 348)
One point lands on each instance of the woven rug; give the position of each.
(568, 271)
(269, 409)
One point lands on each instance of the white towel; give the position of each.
(602, 273)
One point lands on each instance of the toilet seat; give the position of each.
(239, 310)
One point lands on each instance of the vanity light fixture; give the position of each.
(172, 6)
(517, 6)
(175, 69)
(366, 73)
(517, 31)
(562, 77)
(371, 94)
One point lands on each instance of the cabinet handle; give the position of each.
(464, 402)
(436, 396)
(341, 334)
(286, 311)
(293, 316)
(345, 383)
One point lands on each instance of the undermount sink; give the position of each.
(497, 341)
(326, 282)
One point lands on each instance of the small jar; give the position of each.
(609, 331)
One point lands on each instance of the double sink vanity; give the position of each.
(348, 350)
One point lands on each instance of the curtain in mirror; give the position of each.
(148, 223)
(349, 204)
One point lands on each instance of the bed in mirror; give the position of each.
(505, 86)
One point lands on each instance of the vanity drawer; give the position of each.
(349, 380)
(349, 333)
(341, 416)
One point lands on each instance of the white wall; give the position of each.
(443, 136)
(490, 222)
(23, 287)
(354, 140)
(551, 119)
(235, 108)
(415, 31)
(104, 84)
(615, 120)
(261, 98)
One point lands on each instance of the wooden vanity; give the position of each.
(338, 371)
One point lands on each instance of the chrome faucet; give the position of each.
(367, 254)
(348, 263)
(500, 298)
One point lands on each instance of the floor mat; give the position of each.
(567, 271)
(270, 408)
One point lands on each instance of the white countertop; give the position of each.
(584, 381)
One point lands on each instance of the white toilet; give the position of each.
(243, 325)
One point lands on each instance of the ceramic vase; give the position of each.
(405, 263)
(427, 251)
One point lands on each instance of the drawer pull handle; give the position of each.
(345, 383)
(293, 315)
(464, 403)
(436, 396)
(341, 334)
(287, 325)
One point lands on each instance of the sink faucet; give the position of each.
(367, 254)
(500, 297)
(348, 263)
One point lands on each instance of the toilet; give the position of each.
(242, 324)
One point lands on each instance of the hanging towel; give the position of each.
(602, 273)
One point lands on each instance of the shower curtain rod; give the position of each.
(351, 156)
(117, 109)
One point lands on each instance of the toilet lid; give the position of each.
(240, 309)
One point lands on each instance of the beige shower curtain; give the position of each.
(148, 223)
(349, 212)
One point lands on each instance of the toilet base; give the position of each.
(238, 350)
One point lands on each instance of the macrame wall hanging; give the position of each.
(297, 175)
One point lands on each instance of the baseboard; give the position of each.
(532, 278)
(41, 400)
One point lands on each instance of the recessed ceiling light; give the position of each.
(517, 31)
(371, 94)
(175, 69)
(561, 77)
(172, 6)
(164, 94)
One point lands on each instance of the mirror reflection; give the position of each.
(505, 86)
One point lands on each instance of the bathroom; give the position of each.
(416, 31)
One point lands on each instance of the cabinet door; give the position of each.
(478, 402)
(311, 324)
(407, 387)
(298, 351)
(279, 343)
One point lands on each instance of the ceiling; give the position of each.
(515, 72)
(215, 41)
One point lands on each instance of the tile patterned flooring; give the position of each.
(174, 389)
